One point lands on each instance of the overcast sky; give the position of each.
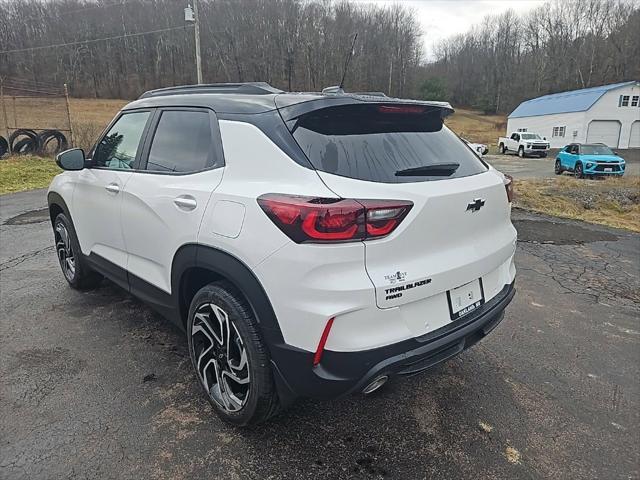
(443, 18)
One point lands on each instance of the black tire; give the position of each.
(29, 144)
(521, 152)
(502, 149)
(24, 146)
(4, 146)
(80, 277)
(558, 167)
(238, 406)
(578, 171)
(48, 136)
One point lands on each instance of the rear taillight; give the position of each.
(322, 220)
(508, 185)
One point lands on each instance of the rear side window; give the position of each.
(182, 143)
(384, 143)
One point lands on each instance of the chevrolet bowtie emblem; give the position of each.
(476, 205)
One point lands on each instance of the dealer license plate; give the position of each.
(465, 299)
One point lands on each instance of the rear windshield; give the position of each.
(384, 143)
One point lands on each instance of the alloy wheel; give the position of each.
(558, 167)
(64, 250)
(220, 357)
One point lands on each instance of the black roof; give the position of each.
(259, 97)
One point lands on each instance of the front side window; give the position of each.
(182, 142)
(384, 143)
(119, 147)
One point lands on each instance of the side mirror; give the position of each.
(71, 159)
(544, 138)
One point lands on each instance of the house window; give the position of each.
(558, 131)
(623, 101)
(634, 100)
(522, 130)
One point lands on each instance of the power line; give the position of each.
(94, 7)
(83, 42)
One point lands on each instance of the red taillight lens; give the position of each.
(319, 220)
(383, 216)
(508, 185)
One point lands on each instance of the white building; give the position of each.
(609, 114)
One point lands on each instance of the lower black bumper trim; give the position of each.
(341, 373)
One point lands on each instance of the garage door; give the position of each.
(604, 131)
(634, 139)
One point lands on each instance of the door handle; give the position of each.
(113, 188)
(185, 202)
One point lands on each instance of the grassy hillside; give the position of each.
(476, 127)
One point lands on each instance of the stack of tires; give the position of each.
(26, 141)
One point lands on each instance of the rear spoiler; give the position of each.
(292, 111)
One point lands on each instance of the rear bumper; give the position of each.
(341, 373)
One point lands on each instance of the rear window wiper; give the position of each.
(436, 170)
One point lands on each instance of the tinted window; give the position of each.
(531, 136)
(377, 142)
(182, 143)
(596, 150)
(118, 148)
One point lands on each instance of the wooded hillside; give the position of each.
(563, 45)
(292, 44)
(301, 45)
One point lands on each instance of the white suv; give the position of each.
(310, 245)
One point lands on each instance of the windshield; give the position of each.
(596, 150)
(531, 136)
(384, 143)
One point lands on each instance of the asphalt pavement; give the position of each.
(96, 385)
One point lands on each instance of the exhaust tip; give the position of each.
(375, 385)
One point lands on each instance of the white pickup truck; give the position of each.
(524, 143)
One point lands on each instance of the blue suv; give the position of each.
(589, 159)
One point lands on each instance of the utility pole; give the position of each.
(191, 16)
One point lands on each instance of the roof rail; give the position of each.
(249, 88)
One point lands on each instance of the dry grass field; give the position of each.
(609, 201)
(88, 116)
(478, 128)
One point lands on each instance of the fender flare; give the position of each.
(234, 270)
(231, 268)
(54, 198)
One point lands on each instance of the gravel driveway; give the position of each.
(524, 168)
(95, 385)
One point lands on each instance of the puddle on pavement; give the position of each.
(536, 231)
(27, 218)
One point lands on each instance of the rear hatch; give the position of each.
(459, 227)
